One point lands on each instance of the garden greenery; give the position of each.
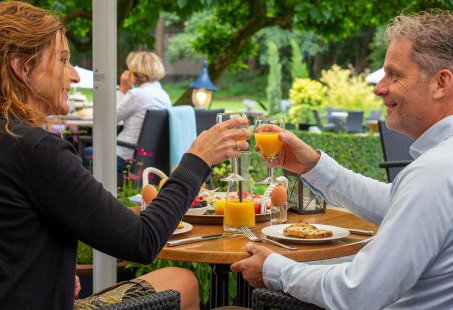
(274, 80)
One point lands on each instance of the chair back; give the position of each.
(317, 118)
(154, 138)
(375, 115)
(330, 118)
(354, 122)
(206, 118)
(395, 147)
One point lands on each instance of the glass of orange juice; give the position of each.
(268, 142)
(239, 209)
(235, 175)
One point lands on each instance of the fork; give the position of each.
(254, 238)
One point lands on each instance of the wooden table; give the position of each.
(225, 251)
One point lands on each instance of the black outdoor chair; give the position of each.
(206, 118)
(265, 299)
(395, 147)
(375, 115)
(168, 299)
(354, 122)
(153, 138)
(321, 126)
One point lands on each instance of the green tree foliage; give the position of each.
(274, 85)
(298, 66)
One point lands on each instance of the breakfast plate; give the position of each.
(276, 232)
(187, 227)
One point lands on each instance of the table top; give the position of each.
(231, 249)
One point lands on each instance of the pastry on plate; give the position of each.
(306, 231)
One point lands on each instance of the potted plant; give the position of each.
(305, 95)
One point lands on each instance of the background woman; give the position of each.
(145, 70)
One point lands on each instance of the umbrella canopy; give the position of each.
(375, 77)
(86, 78)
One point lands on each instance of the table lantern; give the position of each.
(301, 198)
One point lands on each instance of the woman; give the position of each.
(48, 200)
(145, 71)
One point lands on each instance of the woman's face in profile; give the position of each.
(51, 80)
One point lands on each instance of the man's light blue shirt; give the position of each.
(409, 264)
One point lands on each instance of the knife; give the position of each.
(193, 239)
(360, 232)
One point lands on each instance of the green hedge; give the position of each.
(362, 154)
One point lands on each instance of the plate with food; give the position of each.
(213, 214)
(183, 227)
(305, 233)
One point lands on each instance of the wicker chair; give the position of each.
(395, 148)
(168, 299)
(264, 299)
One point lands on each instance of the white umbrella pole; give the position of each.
(104, 130)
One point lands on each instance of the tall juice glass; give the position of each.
(269, 143)
(239, 207)
(234, 175)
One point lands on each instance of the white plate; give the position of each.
(187, 227)
(276, 232)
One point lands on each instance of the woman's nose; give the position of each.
(73, 75)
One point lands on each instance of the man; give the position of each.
(409, 264)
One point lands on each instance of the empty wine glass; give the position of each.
(269, 143)
(235, 174)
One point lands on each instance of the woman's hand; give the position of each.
(295, 155)
(126, 81)
(219, 142)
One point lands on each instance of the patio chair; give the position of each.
(265, 299)
(206, 118)
(395, 148)
(328, 126)
(168, 299)
(153, 138)
(354, 122)
(375, 115)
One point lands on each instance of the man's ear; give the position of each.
(20, 69)
(444, 81)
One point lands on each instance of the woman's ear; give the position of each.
(20, 69)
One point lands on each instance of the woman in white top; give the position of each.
(145, 71)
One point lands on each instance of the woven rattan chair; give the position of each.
(395, 147)
(264, 299)
(168, 299)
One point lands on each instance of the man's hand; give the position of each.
(78, 287)
(221, 141)
(252, 267)
(295, 155)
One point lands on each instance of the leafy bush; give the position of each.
(362, 154)
(348, 92)
(305, 95)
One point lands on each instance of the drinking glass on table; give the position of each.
(235, 174)
(239, 206)
(269, 143)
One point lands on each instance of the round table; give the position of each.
(225, 251)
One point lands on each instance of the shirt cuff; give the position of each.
(323, 174)
(272, 270)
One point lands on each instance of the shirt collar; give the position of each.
(437, 133)
(154, 84)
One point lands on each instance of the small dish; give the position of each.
(187, 227)
(197, 211)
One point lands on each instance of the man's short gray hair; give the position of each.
(432, 35)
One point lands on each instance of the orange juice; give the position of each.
(238, 214)
(268, 143)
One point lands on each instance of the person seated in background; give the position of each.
(49, 201)
(145, 70)
(409, 263)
